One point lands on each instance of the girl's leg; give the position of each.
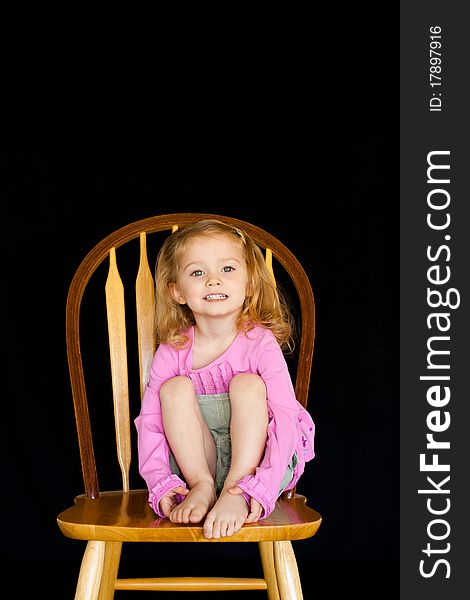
(248, 432)
(193, 447)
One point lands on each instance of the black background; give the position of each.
(282, 114)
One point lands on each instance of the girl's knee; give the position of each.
(177, 387)
(248, 383)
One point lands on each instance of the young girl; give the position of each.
(220, 433)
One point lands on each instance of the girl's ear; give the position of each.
(176, 294)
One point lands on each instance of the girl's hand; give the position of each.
(255, 507)
(168, 502)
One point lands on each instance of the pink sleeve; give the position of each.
(290, 429)
(152, 445)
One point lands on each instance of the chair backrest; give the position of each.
(144, 302)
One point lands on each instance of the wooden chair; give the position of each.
(106, 519)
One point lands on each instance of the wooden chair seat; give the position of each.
(127, 517)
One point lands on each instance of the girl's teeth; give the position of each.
(216, 297)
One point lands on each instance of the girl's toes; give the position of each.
(216, 530)
(230, 529)
(223, 529)
(207, 529)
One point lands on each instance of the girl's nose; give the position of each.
(213, 280)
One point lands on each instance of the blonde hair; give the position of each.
(264, 305)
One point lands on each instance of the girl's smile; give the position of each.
(214, 297)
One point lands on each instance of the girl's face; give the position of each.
(212, 277)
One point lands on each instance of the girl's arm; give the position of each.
(290, 429)
(153, 449)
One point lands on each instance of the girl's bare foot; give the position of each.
(194, 507)
(226, 517)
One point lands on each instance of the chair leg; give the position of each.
(287, 572)
(112, 557)
(89, 580)
(266, 551)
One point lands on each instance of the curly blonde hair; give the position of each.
(265, 304)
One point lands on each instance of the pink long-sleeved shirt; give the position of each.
(290, 426)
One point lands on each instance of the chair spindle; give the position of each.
(118, 355)
(145, 301)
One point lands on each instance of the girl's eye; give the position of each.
(227, 269)
(197, 273)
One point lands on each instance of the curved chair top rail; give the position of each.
(153, 225)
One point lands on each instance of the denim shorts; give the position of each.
(215, 409)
